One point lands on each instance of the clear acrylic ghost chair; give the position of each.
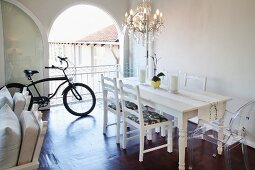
(143, 121)
(227, 132)
(196, 83)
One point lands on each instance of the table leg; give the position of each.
(182, 125)
(182, 143)
(220, 134)
(219, 148)
(185, 126)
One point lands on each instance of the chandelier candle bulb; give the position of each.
(126, 17)
(161, 16)
(157, 12)
(145, 14)
(131, 12)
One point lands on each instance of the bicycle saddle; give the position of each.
(30, 73)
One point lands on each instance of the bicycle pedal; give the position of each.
(50, 94)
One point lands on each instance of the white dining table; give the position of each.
(183, 105)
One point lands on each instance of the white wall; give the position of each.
(215, 38)
(48, 10)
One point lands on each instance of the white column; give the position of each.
(123, 51)
(92, 54)
(2, 70)
(131, 56)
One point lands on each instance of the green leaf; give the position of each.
(160, 74)
(155, 78)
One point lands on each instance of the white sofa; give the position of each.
(21, 132)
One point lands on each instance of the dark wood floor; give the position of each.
(78, 143)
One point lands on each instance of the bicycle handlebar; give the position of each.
(60, 68)
(62, 58)
(52, 67)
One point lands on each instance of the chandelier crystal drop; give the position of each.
(142, 24)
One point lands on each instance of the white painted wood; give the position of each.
(29, 166)
(183, 105)
(127, 92)
(110, 89)
(2, 62)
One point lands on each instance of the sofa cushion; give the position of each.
(10, 137)
(5, 98)
(30, 131)
(19, 103)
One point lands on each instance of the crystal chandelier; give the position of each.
(142, 24)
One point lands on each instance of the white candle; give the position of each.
(174, 84)
(131, 12)
(126, 17)
(142, 73)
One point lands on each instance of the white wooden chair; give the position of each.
(150, 120)
(111, 103)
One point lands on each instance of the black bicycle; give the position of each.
(78, 98)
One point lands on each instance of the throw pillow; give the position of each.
(30, 130)
(10, 138)
(19, 103)
(5, 98)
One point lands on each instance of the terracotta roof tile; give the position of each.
(107, 34)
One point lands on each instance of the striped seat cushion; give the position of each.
(149, 117)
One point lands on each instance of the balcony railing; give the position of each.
(89, 75)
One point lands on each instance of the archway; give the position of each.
(18, 47)
(92, 44)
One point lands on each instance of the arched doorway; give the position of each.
(89, 38)
(24, 48)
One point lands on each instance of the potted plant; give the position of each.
(155, 81)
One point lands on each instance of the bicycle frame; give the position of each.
(49, 79)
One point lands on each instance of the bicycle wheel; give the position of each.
(76, 106)
(18, 87)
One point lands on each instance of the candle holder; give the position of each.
(174, 84)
